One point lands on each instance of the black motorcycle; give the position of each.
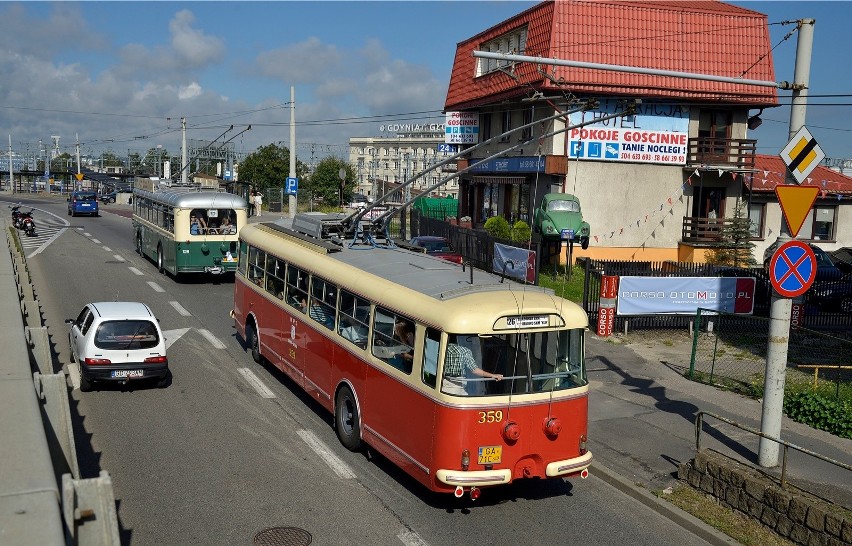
(16, 215)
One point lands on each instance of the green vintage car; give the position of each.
(559, 217)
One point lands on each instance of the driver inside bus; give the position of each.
(459, 363)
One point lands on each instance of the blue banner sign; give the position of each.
(523, 164)
(685, 295)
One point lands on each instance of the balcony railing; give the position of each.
(704, 230)
(721, 152)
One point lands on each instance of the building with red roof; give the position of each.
(657, 99)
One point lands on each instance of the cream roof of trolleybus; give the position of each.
(435, 291)
(190, 199)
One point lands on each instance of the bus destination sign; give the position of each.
(527, 321)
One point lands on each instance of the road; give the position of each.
(231, 448)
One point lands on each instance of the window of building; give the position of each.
(485, 122)
(529, 114)
(756, 217)
(505, 124)
(513, 42)
(820, 224)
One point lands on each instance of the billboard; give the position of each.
(685, 295)
(657, 133)
(517, 263)
(461, 128)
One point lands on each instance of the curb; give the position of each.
(665, 509)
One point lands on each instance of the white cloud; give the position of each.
(193, 47)
(189, 91)
(307, 62)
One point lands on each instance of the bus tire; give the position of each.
(160, 266)
(254, 343)
(346, 421)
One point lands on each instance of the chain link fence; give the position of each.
(730, 350)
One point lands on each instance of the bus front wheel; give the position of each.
(346, 420)
(254, 344)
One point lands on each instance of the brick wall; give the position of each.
(791, 513)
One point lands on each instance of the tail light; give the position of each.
(97, 361)
(458, 492)
(582, 444)
(465, 459)
(475, 492)
(156, 360)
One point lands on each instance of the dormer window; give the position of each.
(514, 42)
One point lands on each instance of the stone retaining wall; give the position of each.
(791, 513)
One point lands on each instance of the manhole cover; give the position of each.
(282, 536)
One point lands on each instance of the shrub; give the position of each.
(817, 411)
(498, 227)
(521, 232)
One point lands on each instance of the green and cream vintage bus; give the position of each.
(188, 231)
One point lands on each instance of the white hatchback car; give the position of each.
(118, 341)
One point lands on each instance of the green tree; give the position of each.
(736, 244)
(269, 167)
(325, 181)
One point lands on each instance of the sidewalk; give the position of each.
(642, 422)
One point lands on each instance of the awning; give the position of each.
(499, 179)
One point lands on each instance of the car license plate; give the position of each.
(127, 373)
(490, 454)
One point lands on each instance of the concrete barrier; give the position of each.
(37, 451)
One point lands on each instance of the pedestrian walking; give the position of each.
(258, 202)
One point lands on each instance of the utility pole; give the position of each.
(184, 161)
(11, 169)
(780, 308)
(292, 198)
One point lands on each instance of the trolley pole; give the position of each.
(780, 308)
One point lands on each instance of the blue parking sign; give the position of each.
(291, 186)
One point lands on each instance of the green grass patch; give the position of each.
(566, 283)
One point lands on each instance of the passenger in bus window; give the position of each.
(403, 332)
(227, 228)
(458, 364)
(194, 225)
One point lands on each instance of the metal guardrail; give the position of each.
(699, 422)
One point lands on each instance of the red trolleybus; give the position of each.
(462, 380)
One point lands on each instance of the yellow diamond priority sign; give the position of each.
(79, 176)
(802, 154)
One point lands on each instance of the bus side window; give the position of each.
(257, 259)
(354, 318)
(243, 263)
(297, 288)
(323, 301)
(398, 353)
(431, 345)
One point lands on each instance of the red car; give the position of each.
(439, 247)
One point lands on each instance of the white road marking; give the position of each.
(74, 374)
(256, 383)
(214, 341)
(156, 287)
(87, 234)
(97, 242)
(81, 229)
(135, 271)
(180, 309)
(173, 335)
(117, 257)
(410, 538)
(108, 249)
(337, 465)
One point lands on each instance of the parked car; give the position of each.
(83, 202)
(559, 217)
(826, 270)
(108, 197)
(842, 258)
(118, 341)
(832, 296)
(439, 247)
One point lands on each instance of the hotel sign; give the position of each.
(461, 128)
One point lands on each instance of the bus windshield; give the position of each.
(529, 362)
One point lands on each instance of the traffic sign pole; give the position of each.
(780, 308)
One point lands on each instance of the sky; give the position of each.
(120, 75)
